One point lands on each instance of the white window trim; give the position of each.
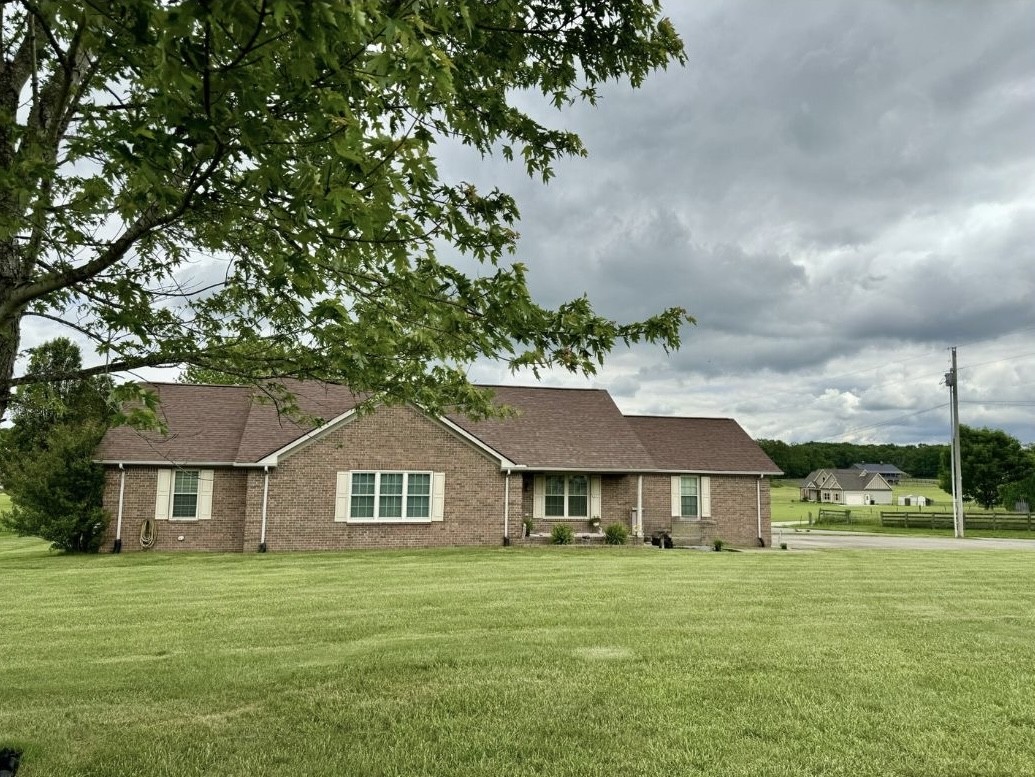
(166, 493)
(704, 497)
(343, 500)
(592, 497)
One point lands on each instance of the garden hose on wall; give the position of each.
(148, 533)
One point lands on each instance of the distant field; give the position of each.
(553, 662)
(786, 506)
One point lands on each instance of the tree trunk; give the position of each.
(10, 334)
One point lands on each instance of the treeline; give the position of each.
(797, 460)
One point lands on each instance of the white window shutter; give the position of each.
(706, 497)
(205, 480)
(342, 492)
(539, 497)
(164, 496)
(677, 502)
(438, 496)
(594, 497)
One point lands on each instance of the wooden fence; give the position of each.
(826, 515)
(932, 520)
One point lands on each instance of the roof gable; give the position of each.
(268, 431)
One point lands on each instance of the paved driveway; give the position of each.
(799, 539)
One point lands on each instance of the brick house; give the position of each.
(230, 474)
(846, 487)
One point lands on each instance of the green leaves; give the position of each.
(991, 460)
(250, 186)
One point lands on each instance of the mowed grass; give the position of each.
(547, 661)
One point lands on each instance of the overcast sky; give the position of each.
(837, 191)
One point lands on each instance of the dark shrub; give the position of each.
(562, 534)
(616, 534)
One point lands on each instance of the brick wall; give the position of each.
(300, 511)
(617, 499)
(734, 516)
(222, 532)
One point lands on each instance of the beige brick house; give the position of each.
(230, 474)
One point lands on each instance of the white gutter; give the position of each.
(118, 523)
(506, 509)
(171, 463)
(265, 501)
(758, 502)
(638, 528)
(635, 471)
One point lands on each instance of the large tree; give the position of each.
(251, 186)
(989, 460)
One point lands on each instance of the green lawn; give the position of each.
(545, 661)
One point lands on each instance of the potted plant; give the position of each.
(594, 523)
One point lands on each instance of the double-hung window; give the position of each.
(388, 496)
(185, 493)
(566, 496)
(691, 496)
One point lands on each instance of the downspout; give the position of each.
(638, 529)
(117, 548)
(265, 502)
(506, 510)
(758, 501)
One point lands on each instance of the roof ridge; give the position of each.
(682, 417)
(540, 388)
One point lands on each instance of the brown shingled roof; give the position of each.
(223, 424)
(577, 429)
(205, 424)
(560, 428)
(700, 445)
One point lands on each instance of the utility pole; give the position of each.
(952, 381)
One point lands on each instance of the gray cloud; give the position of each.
(836, 191)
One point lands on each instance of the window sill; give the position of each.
(384, 521)
(582, 518)
(181, 519)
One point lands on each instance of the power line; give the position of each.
(888, 422)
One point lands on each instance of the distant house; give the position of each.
(846, 487)
(889, 472)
